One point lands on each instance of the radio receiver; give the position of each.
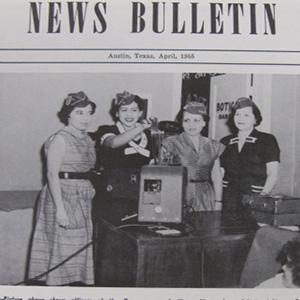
(162, 190)
(162, 186)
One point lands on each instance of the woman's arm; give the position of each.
(55, 155)
(216, 178)
(272, 173)
(122, 139)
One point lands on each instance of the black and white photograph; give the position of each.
(150, 150)
(170, 180)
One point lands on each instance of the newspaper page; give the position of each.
(163, 51)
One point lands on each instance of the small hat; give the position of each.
(243, 102)
(195, 108)
(75, 98)
(124, 98)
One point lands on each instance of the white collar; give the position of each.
(135, 148)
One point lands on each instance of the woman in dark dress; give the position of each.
(122, 149)
(127, 144)
(251, 158)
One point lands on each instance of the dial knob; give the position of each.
(158, 209)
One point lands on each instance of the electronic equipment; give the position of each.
(162, 185)
(170, 127)
(162, 190)
(278, 210)
(159, 131)
(277, 204)
(276, 219)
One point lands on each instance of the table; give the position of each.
(210, 252)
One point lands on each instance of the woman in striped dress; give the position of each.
(201, 157)
(63, 221)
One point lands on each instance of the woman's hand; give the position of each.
(116, 141)
(146, 123)
(62, 218)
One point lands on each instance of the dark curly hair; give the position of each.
(256, 112)
(179, 116)
(115, 107)
(74, 100)
(290, 255)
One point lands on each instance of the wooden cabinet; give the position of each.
(210, 253)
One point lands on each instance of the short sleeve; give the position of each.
(226, 140)
(217, 148)
(102, 133)
(272, 150)
(104, 136)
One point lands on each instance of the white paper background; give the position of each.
(232, 52)
(82, 52)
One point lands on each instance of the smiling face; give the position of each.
(80, 117)
(128, 115)
(192, 124)
(244, 119)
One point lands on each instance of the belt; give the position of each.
(77, 175)
(197, 180)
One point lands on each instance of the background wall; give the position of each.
(297, 138)
(30, 102)
(285, 122)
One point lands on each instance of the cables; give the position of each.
(77, 252)
(104, 235)
(57, 266)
